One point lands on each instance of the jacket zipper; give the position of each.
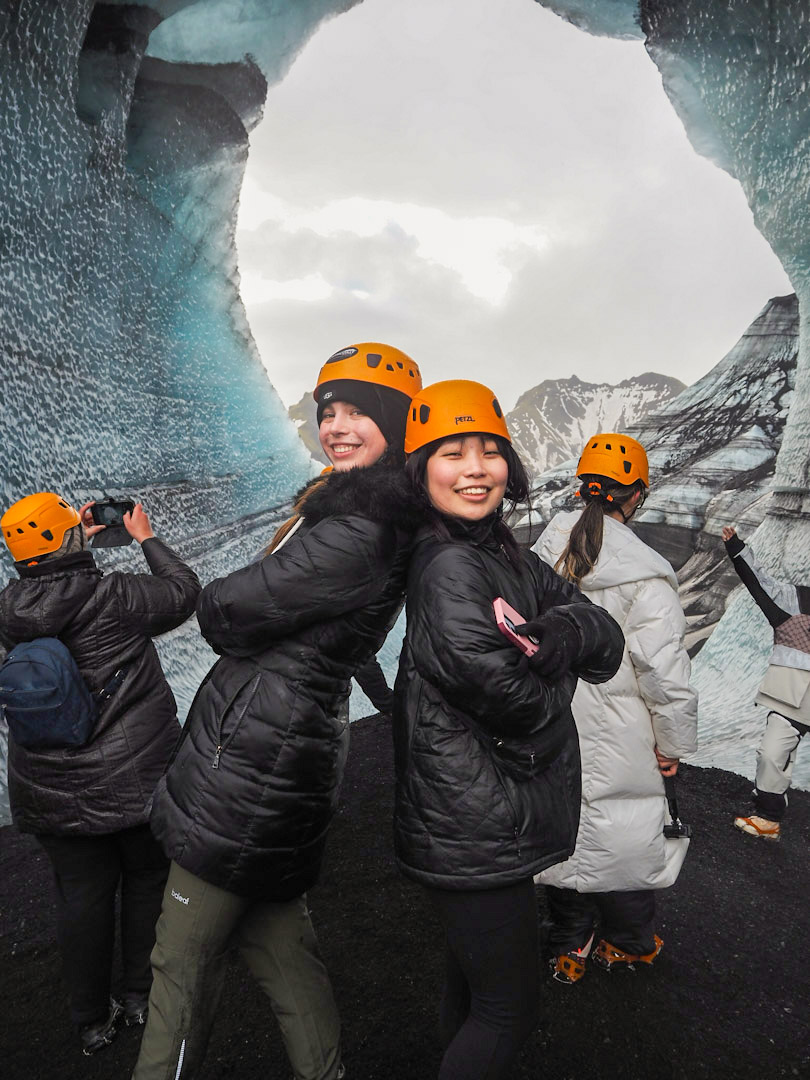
(511, 806)
(224, 743)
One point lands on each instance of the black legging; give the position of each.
(87, 872)
(489, 1007)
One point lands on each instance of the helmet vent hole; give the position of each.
(33, 524)
(47, 534)
(622, 449)
(19, 530)
(496, 405)
(594, 446)
(424, 413)
(373, 360)
(608, 446)
(389, 367)
(410, 372)
(627, 466)
(400, 365)
(63, 505)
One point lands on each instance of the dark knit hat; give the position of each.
(388, 408)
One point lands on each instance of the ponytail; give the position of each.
(602, 495)
(584, 543)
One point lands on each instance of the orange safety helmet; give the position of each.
(454, 407)
(36, 525)
(615, 456)
(371, 362)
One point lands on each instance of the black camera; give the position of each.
(110, 512)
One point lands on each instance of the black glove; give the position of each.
(560, 644)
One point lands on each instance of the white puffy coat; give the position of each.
(620, 844)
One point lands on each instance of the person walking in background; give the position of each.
(88, 805)
(785, 690)
(244, 809)
(487, 766)
(632, 730)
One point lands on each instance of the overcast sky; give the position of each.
(497, 193)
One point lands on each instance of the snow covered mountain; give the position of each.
(550, 422)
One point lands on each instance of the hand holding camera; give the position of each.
(115, 522)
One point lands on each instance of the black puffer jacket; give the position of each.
(461, 820)
(249, 797)
(106, 622)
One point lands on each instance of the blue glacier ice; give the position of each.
(127, 359)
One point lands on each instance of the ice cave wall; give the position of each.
(128, 364)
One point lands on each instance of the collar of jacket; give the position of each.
(68, 564)
(480, 533)
(379, 492)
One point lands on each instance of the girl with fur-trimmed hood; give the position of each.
(244, 809)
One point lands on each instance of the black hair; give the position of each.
(517, 486)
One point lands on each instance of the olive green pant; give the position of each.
(198, 924)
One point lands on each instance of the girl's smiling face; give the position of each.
(466, 477)
(349, 437)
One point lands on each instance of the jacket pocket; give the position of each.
(236, 712)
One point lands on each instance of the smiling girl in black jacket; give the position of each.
(244, 809)
(487, 759)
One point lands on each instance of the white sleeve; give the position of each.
(654, 632)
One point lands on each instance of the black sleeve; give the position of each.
(769, 593)
(332, 568)
(160, 601)
(600, 636)
(373, 684)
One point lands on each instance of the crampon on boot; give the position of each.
(569, 967)
(96, 1036)
(611, 958)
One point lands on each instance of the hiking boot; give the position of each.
(100, 1033)
(611, 958)
(759, 826)
(136, 1009)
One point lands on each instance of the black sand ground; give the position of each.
(728, 997)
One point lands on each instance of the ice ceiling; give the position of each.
(127, 359)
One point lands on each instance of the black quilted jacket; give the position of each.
(461, 820)
(106, 622)
(247, 802)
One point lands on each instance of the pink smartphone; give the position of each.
(507, 619)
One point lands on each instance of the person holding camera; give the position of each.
(88, 805)
(244, 809)
(487, 763)
(632, 730)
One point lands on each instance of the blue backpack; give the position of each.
(44, 698)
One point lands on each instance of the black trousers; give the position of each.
(87, 871)
(489, 1006)
(627, 919)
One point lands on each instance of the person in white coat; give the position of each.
(632, 730)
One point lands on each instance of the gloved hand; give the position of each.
(560, 644)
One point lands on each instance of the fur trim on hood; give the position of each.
(379, 492)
